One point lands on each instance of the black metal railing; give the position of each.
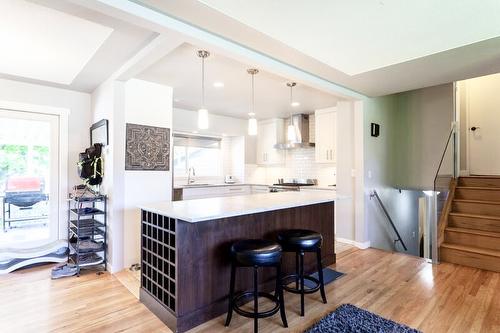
(399, 239)
(442, 158)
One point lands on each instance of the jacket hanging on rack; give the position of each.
(90, 165)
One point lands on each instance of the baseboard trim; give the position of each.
(359, 245)
(464, 173)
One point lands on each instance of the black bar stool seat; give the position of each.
(256, 253)
(261, 252)
(301, 241)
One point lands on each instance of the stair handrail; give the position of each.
(375, 194)
(442, 156)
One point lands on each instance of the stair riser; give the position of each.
(476, 208)
(474, 223)
(472, 194)
(461, 238)
(469, 259)
(479, 182)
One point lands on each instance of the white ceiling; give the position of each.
(360, 36)
(61, 44)
(418, 42)
(45, 44)
(181, 69)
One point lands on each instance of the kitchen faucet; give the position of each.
(190, 180)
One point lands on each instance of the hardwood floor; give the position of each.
(441, 298)
(32, 302)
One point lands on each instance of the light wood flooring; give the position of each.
(440, 298)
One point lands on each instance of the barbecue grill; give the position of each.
(23, 192)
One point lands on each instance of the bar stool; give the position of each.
(301, 241)
(256, 253)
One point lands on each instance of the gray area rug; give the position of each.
(350, 319)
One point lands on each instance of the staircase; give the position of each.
(472, 233)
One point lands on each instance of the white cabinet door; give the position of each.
(237, 190)
(326, 135)
(203, 192)
(214, 191)
(260, 189)
(270, 133)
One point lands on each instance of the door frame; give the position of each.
(63, 120)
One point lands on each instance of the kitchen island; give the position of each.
(185, 248)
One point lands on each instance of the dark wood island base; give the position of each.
(186, 265)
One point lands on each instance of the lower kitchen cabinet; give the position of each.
(219, 191)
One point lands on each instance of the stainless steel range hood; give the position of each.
(301, 123)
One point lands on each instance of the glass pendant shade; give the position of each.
(252, 126)
(202, 118)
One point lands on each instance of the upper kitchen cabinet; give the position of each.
(326, 135)
(271, 132)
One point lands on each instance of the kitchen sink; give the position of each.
(195, 184)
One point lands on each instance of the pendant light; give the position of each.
(292, 135)
(252, 122)
(203, 112)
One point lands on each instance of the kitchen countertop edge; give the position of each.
(179, 209)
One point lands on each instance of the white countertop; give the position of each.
(194, 185)
(314, 187)
(198, 210)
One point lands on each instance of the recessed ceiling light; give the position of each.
(177, 100)
(195, 132)
(45, 44)
(218, 84)
(295, 104)
(224, 134)
(251, 114)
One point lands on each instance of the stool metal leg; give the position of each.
(297, 270)
(301, 283)
(320, 275)
(255, 299)
(279, 288)
(231, 294)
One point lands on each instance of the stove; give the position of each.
(292, 184)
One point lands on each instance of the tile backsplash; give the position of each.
(299, 163)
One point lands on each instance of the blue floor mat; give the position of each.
(329, 275)
(350, 319)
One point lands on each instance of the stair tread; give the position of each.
(474, 231)
(491, 188)
(473, 249)
(481, 177)
(477, 216)
(477, 201)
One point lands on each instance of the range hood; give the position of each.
(301, 123)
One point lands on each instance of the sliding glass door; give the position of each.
(29, 189)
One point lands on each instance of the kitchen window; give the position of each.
(198, 152)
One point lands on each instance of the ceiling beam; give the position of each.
(159, 47)
(163, 23)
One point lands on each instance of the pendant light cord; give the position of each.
(203, 82)
(253, 94)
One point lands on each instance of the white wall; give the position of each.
(424, 119)
(378, 160)
(149, 104)
(79, 119)
(107, 103)
(344, 209)
(137, 102)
